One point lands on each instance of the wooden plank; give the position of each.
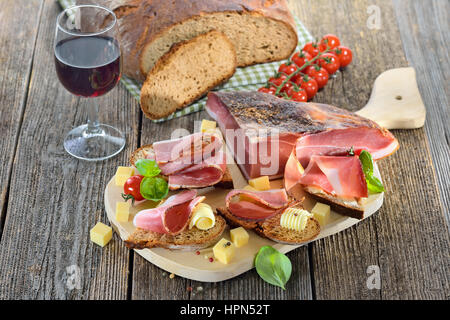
(17, 41)
(410, 228)
(425, 38)
(55, 199)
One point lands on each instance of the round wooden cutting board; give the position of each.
(197, 267)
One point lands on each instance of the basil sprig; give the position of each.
(152, 186)
(273, 266)
(373, 183)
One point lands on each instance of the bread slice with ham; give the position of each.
(261, 212)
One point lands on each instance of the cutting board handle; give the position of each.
(395, 102)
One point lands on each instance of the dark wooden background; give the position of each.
(49, 201)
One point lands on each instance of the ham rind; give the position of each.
(380, 143)
(205, 174)
(171, 217)
(339, 175)
(258, 205)
(241, 115)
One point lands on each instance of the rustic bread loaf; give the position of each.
(189, 240)
(187, 72)
(260, 30)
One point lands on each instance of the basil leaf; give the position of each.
(154, 188)
(367, 163)
(273, 266)
(147, 167)
(374, 184)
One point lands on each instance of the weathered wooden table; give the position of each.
(49, 201)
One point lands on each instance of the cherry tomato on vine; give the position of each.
(329, 61)
(300, 58)
(288, 85)
(287, 69)
(330, 40)
(344, 55)
(299, 96)
(132, 188)
(312, 48)
(310, 86)
(319, 74)
(264, 89)
(277, 81)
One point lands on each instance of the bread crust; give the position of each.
(142, 21)
(168, 56)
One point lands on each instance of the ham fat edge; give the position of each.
(256, 205)
(194, 161)
(171, 217)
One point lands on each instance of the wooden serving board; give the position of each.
(395, 103)
(197, 267)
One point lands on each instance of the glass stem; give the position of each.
(92, 125)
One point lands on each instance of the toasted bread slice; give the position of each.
(189, 240)
(271, 229)
(140, 153)
(351, 209)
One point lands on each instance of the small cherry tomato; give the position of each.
(287, 69)
(329, 41)
(300, 96)
(277, 81)
(132, 188)
(344, 55)
(319, 74)
(300, 58)
(310, 86)
(329, 61)
(286, 87)
(312, 48)
(264, 89)
(298, 79)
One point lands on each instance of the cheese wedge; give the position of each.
(224, 251)
(321, 213)
(239, 236)
(207, 125)
(260, 184)
(202, 217)
(294, 219)
(101, 234)
(122, 175)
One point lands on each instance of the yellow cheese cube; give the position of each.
(224, 251)
(207, 125)
(239, 236)
(101, 234)
(321, 213)
(122, 175)
(249, 188)
(122, 211)
(260, 184)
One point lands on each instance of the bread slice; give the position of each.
(189, 240)
(188, 71)
(141, 153)
(351, 209)
(271, 229)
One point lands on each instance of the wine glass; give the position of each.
(88, 64)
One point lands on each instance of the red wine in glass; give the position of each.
(88, 66)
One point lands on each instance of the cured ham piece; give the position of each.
(337, 175)
(205, 174)
(194, 161)
(256, 205)
(261, 130)
(172, 217)
(337, 142)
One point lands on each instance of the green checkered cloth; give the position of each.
(244, 79)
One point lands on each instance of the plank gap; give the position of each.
(311, 272)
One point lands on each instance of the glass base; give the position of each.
(103, 144)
